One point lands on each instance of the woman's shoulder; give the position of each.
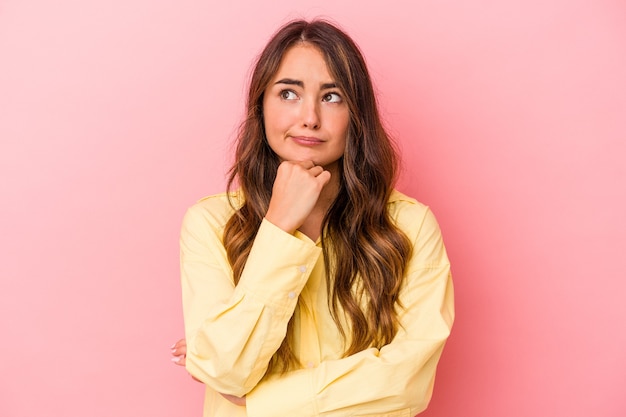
(215, 209)
(409, 214)
(399, 201)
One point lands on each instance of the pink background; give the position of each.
(116, 115)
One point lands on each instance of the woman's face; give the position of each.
(305, 115)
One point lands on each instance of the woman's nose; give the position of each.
(310, 114)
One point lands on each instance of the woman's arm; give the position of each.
(233, 331)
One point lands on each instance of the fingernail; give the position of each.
(176, 359)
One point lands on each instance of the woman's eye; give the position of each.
(331, 98)
(288, 95)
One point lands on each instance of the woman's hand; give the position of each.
(296, 190)
(179, 353)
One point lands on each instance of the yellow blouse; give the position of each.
(233, 331)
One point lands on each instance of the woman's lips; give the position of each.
(307, 140)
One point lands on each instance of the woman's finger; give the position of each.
(316, 170)
(306, 164)
(181, 345)
(179, 360)
(179, 352)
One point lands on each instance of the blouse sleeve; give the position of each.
(396, 380)
(233, 331)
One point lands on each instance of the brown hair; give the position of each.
(365, 254)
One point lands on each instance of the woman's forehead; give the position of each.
(303, 62)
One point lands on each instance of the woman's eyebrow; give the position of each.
(290, 81)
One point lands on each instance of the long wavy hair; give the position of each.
(365, 254)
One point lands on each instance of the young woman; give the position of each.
(312, 287)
